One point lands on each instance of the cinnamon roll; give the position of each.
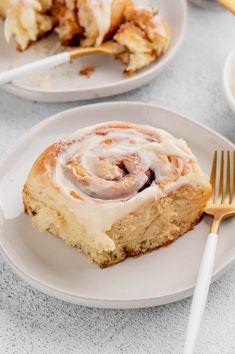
(145, 36)
(140, 33)
(115, 190)
(85, 22)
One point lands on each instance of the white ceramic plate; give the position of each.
(65, 84)
(47, 264)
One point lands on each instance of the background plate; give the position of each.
(64, 82)
(47, 264)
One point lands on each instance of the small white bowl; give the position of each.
(228, 77)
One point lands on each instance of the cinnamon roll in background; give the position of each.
(142, 32)
(100, 19)
(27, 20)
(116, 190)
(145, 35)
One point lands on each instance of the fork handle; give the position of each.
(43, 64)
(200, 293)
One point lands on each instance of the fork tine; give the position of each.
(213, 176)
(221, 180)
(228, 184)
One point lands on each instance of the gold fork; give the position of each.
(108, 47)
(228, 4)
(221, 205)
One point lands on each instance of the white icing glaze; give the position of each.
(101, 10)
(159, 27)
(97, 215)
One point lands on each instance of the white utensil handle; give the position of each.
(22, 71)
(200, 293)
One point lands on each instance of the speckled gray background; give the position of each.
(31, 322)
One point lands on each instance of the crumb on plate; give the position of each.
(87, 71)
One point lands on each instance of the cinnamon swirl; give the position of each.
(115, 190)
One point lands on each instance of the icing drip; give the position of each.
(101, 10)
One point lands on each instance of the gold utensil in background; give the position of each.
(108, 47)
(221, 205)
(228, 4)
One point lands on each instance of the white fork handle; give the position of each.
(200, 293)
(43, 64)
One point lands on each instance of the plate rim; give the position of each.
(97, 302)
(120, 86)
